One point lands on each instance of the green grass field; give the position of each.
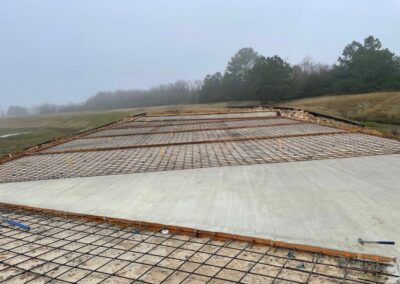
(42, 128)
(380, 111)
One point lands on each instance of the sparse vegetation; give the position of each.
(379, 110)
(42, 128)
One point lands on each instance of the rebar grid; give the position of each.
(64, 250)
(163, 123)
(191, 137)
(193, 156)
(193, 127)
(206, 116)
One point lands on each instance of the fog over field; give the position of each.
(65, 51)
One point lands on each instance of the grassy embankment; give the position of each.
(380, 111)
(42, 128)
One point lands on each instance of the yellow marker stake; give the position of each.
(280, 144)
(69, 162)
(162, 152)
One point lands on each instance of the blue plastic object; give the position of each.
(19, 225)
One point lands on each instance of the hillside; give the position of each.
(377, 110)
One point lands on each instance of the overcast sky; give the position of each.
(61, 51)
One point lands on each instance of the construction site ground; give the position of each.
(253, 176)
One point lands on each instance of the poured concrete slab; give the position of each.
(326, 203)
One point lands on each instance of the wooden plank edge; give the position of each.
(220, 236)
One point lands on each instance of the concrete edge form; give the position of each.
(220, 236)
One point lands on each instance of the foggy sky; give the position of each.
(67, 50)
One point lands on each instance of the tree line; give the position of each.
(361, 68)
(180, 92)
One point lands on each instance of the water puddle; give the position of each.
(12, 134)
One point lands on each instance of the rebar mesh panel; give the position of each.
(154, 123)
(192, 127)
(190, 156)
(190, 137)
(62, 250)
(209, 116)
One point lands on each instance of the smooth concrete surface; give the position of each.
(326, 203)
